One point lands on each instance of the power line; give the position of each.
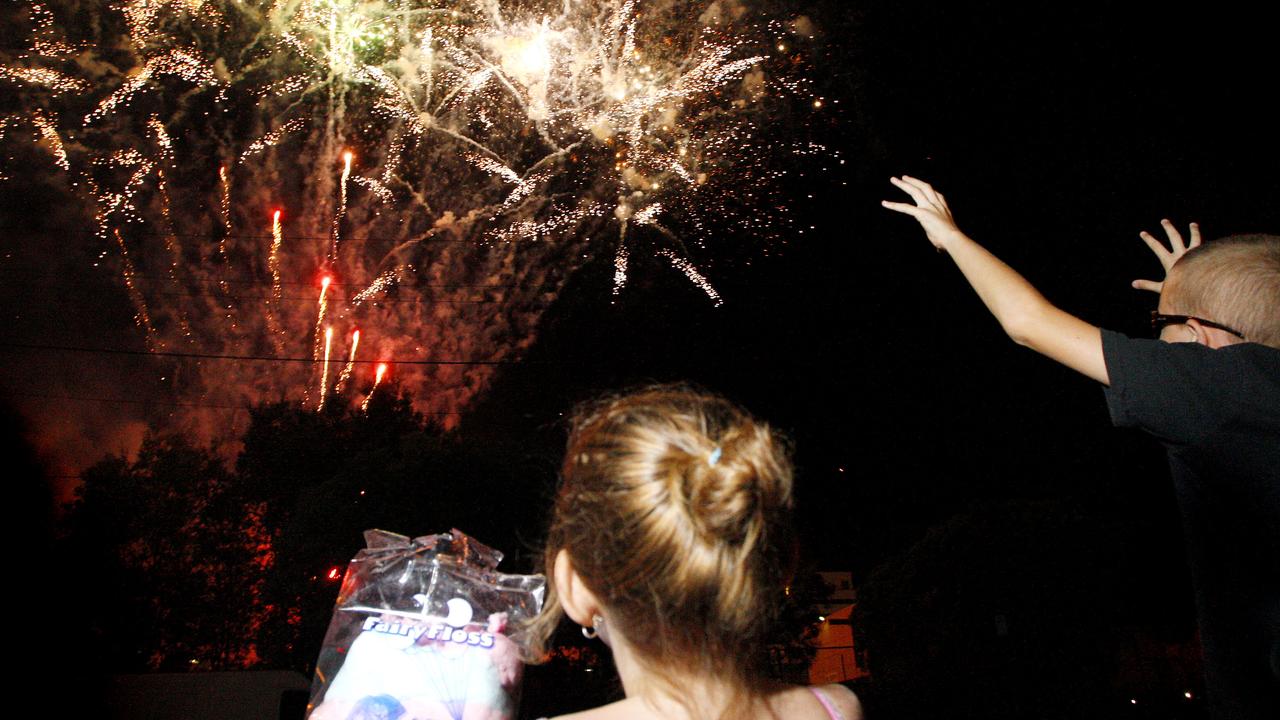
(166, 403)
(300, 298)
(234, 280)
(247, 358)
(486, 243)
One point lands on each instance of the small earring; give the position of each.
(591, 633)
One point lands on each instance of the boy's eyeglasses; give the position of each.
(1158, 321)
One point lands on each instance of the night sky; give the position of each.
(1057, 137)
(1057, 132)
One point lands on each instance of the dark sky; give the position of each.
(1057, 134)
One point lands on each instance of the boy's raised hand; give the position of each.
(930, 210)
(1177, 248)
(1021, 310)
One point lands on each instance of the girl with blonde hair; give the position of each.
(671, 541)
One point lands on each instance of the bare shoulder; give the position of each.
(788, 702)
(626, 709)
(812, 702)
(844, 701)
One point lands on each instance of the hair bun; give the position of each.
(722, 503)
(728, 489)
(675, 510)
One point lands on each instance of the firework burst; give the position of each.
(445, 166)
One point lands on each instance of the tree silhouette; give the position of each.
(323, 478)
(173, 559)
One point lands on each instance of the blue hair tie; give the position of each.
(714, 457)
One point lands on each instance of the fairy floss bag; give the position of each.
(426, 629)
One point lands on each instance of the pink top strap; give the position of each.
(832, 712)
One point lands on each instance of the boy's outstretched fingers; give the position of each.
(920, 191)
(930, 209)
(1167, 257)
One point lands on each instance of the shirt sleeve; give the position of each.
(1171, 390)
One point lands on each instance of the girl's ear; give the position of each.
(576, 598)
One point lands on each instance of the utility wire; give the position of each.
(254, 358)
(307, 299)
(288, 236)
(237, 281)
(166, 403)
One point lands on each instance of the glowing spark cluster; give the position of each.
(273, 264)
(272, 138)
(523, 187)
(647, 216)
(380, 191)
(49, 134)
(487, 149)
(44, 37)
(561, 220)
(141, 316)
(620, 269)
(380, 284)
(51, 79)
(145, 17)
(691, 272)
(377, 380)
(351, 361)
(323, 310)
(287, 86)
(224, 208)
(324, 377)
(179, 63)
(342, 205)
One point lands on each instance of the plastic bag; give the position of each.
(425, 629)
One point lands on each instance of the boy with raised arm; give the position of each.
(1209, 391)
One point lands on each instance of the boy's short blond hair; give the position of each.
(1234, 281)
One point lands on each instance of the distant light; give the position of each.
(1133, 701)
(817, 103)
(333, 573)
(822, 618)
(1187, 694)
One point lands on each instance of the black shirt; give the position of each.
(1217, 413)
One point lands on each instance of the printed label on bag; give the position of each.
(447, 629)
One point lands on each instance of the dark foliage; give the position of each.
(201, 567)
(175, 559)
